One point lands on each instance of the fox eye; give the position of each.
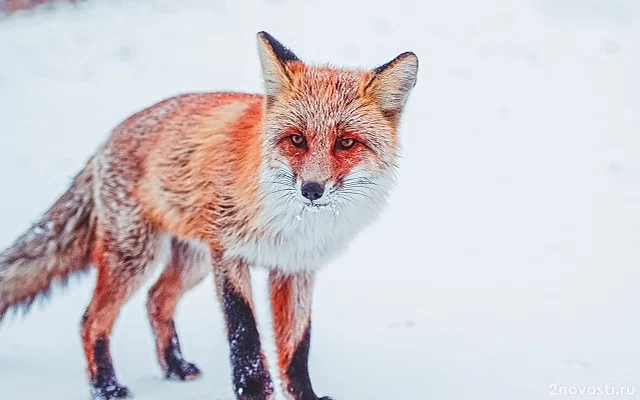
(298, 141)
(345, 144)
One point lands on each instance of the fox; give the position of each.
(222, 183)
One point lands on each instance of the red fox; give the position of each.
(222, 182)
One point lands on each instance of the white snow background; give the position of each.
(508, 259)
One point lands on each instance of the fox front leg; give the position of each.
(251, 378)
(291, 306)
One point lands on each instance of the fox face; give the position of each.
(329, 137)
(328, 155)
(332, 133)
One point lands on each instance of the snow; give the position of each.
(507, 260)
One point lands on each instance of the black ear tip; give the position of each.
(281, 52)
(403, 56)
(407, 54)
(265, 36)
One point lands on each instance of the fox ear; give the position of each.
(393, 81)
(274, 57)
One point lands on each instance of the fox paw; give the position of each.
(181, 370)
(111, 392)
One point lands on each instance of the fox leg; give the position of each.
(251, 378)
(123, 260)
(291, 296)
(189, 265)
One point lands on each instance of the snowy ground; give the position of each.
(509, 259)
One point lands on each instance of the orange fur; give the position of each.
(291, 306)
(162, 303)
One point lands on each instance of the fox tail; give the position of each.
(52, 249)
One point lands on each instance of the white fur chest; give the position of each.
(300, 239)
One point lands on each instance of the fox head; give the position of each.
(331, 134)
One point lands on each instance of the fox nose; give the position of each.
(312, 190)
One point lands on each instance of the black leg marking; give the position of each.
(104, 383)
(177, 367)
(299, 383)
(251, 380)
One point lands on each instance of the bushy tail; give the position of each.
(56, 246)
